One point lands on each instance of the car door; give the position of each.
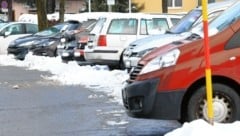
(10, 33)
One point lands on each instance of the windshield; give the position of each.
(226, 18)
(51, 30)
(2, 24)
(187, 22)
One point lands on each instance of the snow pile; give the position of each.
(202, 128)
(100, 78)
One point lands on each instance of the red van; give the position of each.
(169, 82)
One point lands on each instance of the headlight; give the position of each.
(12, 43)
(48, 43)
(144, 52)
(63, 40)
(165, 60)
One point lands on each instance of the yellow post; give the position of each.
(208, 72)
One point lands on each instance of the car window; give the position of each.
(143, 27)
(160, 24)
(3, 24)
(123, 26)
(186, 22)
(234, 42)
(226, 18)
(31, 28)
(175, 20)
(15, 29)
(49, 31)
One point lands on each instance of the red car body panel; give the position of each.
(190, 66)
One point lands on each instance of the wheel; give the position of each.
(225, 104)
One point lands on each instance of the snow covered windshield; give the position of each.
(186, 22)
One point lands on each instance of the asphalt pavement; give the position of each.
(30, 105)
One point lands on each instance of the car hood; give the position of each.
(164, 49)
(36, 39)
(156, 41)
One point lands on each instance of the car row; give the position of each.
(116, 30)
(174, 75)
(113, 33)
(42, 43)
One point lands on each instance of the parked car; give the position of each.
(43, 43)
(137, 49)
(169, 82)
(113, 33)
(10, 31)
(72, 44)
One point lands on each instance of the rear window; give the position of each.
(123, 26)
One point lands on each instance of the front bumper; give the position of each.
(67, 55)
(19, 53)
(142, 100)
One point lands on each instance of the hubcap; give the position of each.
(221, 108)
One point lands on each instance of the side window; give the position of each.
(160, 24)
(234, 42)
(31, 28)
(143, 27)
(209, 1)
(15, 29)
(174, 3)
(123, 26)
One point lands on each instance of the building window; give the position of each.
(174, 3)
(200, 2)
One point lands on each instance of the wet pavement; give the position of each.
(33, 106)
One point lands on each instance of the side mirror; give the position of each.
(7, 33)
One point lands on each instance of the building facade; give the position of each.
(71, 6)
(174, 6)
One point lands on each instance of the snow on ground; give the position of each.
(202, 128)
(100, 78)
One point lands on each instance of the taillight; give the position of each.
(102, 40)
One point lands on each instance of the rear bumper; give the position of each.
(142, 100)
(67, 55)
(102, 56)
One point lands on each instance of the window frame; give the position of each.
(173, 4)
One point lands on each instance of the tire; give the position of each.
(121, 63)
(225, 102)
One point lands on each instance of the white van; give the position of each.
(114, 32)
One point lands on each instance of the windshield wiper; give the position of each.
(194, 36)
